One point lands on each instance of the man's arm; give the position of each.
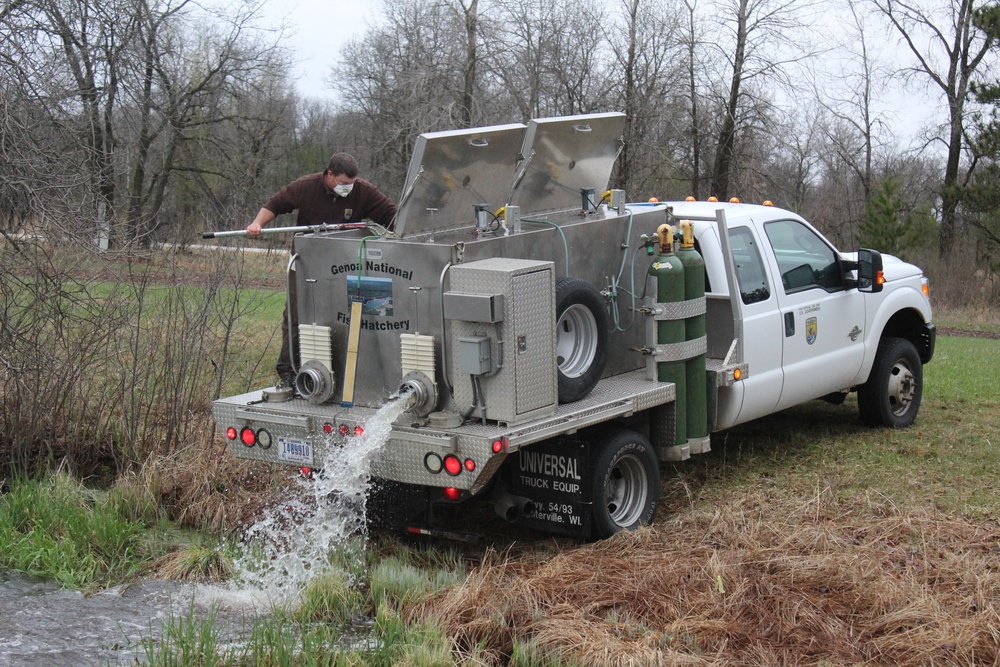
(380, 208)
(263, 219)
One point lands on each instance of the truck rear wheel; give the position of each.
(626, 483)
(581, 337)
(891, 397)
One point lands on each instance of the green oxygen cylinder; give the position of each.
(694, 336)
(668, 271)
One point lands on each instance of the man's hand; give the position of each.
(253, 230)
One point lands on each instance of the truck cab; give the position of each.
(805, 326)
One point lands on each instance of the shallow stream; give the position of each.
(43, 625)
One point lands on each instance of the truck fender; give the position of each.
(895, 304)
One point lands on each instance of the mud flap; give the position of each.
(555, 477)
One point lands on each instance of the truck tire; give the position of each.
(891, 397)
(625, 487)
(581, 337)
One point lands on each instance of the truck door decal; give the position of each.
(812, 328)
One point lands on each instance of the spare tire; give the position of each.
(581, 337)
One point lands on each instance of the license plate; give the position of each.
(295, 451)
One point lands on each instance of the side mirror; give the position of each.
(870, 277)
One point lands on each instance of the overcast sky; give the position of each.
(318, 29)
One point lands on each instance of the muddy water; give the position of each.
(43, 625)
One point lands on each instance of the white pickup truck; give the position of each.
(552, 354)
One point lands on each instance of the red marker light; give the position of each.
(470, 465)
(359, 431)
(452, 465)
(497, 446)
(232, 433)
(451, 493)
(328, 428)
(344, 429)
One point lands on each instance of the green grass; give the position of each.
(352, 615)
(949, 459)
(58, 529)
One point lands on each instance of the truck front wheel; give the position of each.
(891, 397)
(626, 483)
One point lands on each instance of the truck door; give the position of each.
(760, 329)
(822, 321)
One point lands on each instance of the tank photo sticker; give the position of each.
(375, 294)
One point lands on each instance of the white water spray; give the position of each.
(293, 541)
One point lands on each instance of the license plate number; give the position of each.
(295, 451)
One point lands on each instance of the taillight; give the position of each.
(452, 465)
(470, 465)
(451, 493)
(232, 433)
(497, 446)
(359, 431)
(344, 429)
(248, 437)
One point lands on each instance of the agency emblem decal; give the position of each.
(812, 329)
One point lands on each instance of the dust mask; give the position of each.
(343, 190)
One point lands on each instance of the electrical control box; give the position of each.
(504, 353)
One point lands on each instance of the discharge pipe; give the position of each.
(417, 392)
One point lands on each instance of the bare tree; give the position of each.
(948, 50)
(762, 44)
(122, 85)
(404, 78)
(691, 40)
(546, 55)
(646, 51)
(470, 14)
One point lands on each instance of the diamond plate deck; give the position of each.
(402, 458)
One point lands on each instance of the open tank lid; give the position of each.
(452, 171)
(563, 155)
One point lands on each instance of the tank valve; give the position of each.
(418, 392)
(315, 382)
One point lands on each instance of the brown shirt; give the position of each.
(317, 205)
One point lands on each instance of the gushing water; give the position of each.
(293, 541)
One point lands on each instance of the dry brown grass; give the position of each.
(757, 581)
(204, 486)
